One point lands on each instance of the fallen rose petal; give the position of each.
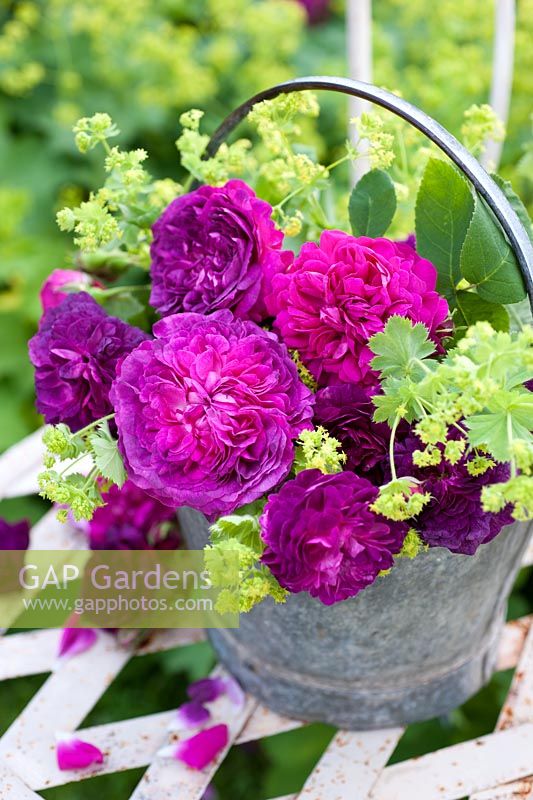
(207, 689)
(235, 692)
(190, 715)
(72, 753)
(202, 748)
(74, 641)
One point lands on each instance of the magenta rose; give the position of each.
(132, 520)
(339, 293)
(75, 354)
(216, 248)
(321, 536)
(208, 410)
(51, 291)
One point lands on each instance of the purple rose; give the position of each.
(321, 536)
(208, 410)
(340, 292)
(75, 354)
(215, 248)
(317, 10)
(346, 412)
(132, 520)
(454, 517)
(14, 535)
(51, 294)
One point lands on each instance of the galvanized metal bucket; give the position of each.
(414, 645)
(419, 641)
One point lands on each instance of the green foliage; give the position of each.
(476, 388)
(401, 349)
(444, 208)
(471, 308)
(516, 203)
(372, 204)
(106, 456)
(488, 261)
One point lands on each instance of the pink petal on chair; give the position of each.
(74, 641)
(201, 749)
(73, 753)
(190, 715)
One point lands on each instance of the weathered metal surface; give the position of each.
(414, 645)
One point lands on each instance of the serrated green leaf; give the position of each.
(243, 528)
(515, 202)
(400, 347)
(488, 261)
(106, 455)
(372, 204)
(472, 308)
(444, 208)
(494, 430)
(396, 394)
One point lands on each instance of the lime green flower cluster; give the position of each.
(316, 449)
(70, 486)
(480, 124)
(476, 389)
(232, 159)
(233, 561)
(116, 218)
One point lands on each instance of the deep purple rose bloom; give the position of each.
(75, 354)
(454, 517)
(340, 292)
(51, 291)
(14, 535)
(215, 248)
(208, 410)
(346, 412)
(321, 536)
(132, 520)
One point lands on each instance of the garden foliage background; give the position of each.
(143, 62)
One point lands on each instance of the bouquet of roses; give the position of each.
(329, 398)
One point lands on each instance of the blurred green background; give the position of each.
(143, 62)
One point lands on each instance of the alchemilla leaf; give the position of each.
(400, 349)
(106, 455)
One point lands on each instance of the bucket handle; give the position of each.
(469, 166)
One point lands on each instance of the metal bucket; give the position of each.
(421, 640)
(414, 645)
